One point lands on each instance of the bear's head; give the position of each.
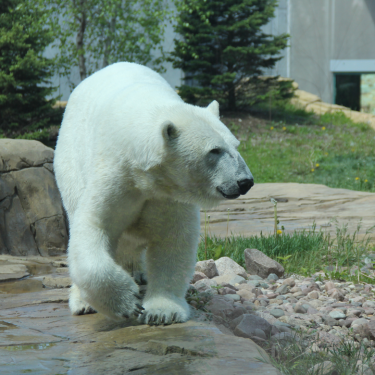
(201, 162)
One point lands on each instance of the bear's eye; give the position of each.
(216, 151)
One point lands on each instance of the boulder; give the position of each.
(32, 220)
(13, 272)
(208, 267)
(220, 306)
(198, 276)
(230, 278)
(247, 325)
(227, 265)
(260, 264)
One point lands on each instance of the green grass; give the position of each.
(303, 253)
(329, 150)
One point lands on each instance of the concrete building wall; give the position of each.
(325, 30)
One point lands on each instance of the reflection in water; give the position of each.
(17, 348)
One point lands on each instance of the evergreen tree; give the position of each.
(223, 50)
(24, 73)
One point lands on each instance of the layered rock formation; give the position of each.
(32, 220)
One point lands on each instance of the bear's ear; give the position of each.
(214, 108)
(169, 131)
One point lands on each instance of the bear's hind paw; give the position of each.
(81, 308)
(164, 312)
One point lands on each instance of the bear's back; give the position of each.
(110, 114)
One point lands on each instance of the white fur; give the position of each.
(133, 166)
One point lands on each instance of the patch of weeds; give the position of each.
(297, 354)
(304, 252)
(198, 300)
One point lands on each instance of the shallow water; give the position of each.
(26, 285)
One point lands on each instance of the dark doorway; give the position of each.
(348, 91)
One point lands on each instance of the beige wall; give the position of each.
(324, 30)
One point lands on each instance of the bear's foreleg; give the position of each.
(103, 284)
(173, 229)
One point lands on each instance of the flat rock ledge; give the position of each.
(299, 207)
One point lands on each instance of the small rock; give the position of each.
(358, 299)
(277, 313)
(198, 276)
(290, 282)
(370, 329)
(329, 321)
(258, 263)
(360, 327)
(298, 308)
(259, 333)
(227, 265)
(237, 312)
(253, 283)
(282, 289)
(324, 368)
(246, 294)
(370, 304)
(337, 314)
(272, 277)
(207, 267)
(226, 290)
(275, 301)
(295, 289)
(329, 285)
(328, 338)
(249, 323)
(313, 295)
(285, 336)
(249, 305)
(256, 277)
(204, 284)
(230, 278)
(232, 297)
(336, 294)
(220, 306)
(57, 282)
(62, 270)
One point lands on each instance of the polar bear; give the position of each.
(134, 164)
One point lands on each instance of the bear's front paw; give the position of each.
(162, 310)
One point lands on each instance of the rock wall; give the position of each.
(312, 103)
(32, 219)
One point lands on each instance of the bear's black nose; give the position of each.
(245, 185)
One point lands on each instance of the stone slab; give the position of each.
(42, 337)
(300, 206)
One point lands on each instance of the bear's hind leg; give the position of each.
(77, 305)
(130, 255)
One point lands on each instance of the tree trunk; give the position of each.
(79, 41)
(109, 39)
(231, 97)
